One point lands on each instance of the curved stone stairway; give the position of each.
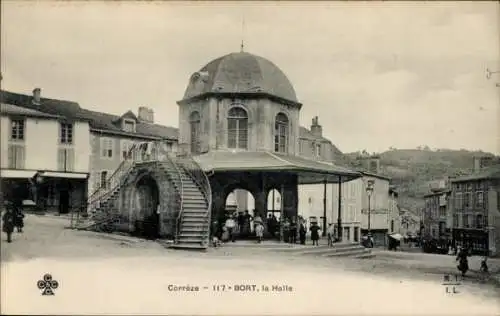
(109, 207)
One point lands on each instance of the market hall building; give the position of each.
(239, 118)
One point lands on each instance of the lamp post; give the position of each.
(369, 192)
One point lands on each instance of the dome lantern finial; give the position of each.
(242, 47)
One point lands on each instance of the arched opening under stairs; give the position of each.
(146, 198)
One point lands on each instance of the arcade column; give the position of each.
(291, 197)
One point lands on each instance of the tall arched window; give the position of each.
(237, 128)
(281, 133)
(195, 126)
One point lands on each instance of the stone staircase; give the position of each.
(194, 219)
(191, 198)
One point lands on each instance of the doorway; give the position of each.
(147, 201)
(64, 202)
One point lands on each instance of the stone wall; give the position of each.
(168, 200)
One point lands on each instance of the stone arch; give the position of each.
(273, 201)
(168, 199)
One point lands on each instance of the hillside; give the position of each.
(411, 170)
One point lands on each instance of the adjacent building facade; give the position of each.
(311, 204)
(44, 157)
(436, 214)
(62, 147)
(476, 207)
(409, 223)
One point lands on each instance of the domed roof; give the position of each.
(241, 73)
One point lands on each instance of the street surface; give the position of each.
(99, 273)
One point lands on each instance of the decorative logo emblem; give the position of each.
(47, 285)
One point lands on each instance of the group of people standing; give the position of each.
(292, 227)
(240, 224)
(12, 218)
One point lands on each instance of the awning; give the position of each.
(67, 175)
(309, 171)
(17, 174)
(396, 236)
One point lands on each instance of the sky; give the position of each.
(378, 75)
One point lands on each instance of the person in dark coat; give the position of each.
(271, 225)
(293, 232)
(8, 223)
(314, 233)
(286, 230)
(302, 233)
(18, 220)
(463, 262)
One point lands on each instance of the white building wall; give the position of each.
(41, 144)
(81, 144)
(379, 204)
(311, 204)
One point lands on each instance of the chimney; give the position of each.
(372, 164)
(36, 96)
(316, 129)
(145, 114)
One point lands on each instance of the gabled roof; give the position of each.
(100, 121)
(492, 172)
(107, 123)
(129, 115)
(10, 109)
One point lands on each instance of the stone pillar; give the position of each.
(241, 200)
(218, 203)
(291, 197)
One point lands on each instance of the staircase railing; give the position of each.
(178, 220)
(201, 180)
(139, 152)
(113, 181)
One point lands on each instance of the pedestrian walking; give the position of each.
(330, 232)
(463, 265)
(8, 223)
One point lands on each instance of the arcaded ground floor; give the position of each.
(100, 273)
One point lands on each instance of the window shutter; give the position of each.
(103, 147)
(60, 159)
(70, 159)
(12, 163)
(20, 157)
